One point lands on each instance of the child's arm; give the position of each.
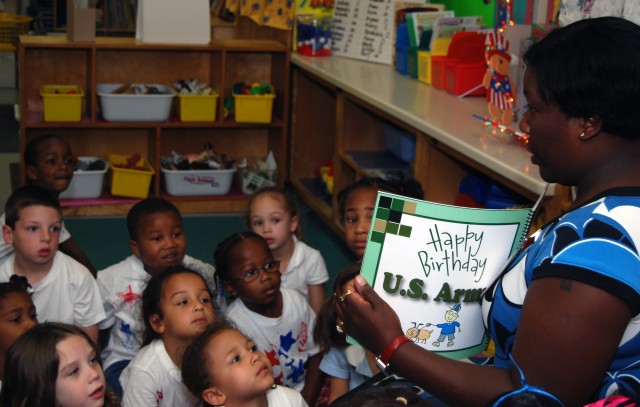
(71, 248)
(316, 296)
(338, 387)
(314, 379)
(92, 331)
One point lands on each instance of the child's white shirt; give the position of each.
(287, 340)
(152, 379)
(306, 267)
(285, 397)
(68, 293)
(121, 286)
(7, 249)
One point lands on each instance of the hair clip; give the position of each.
(402, 400)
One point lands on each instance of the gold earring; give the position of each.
(582, 135)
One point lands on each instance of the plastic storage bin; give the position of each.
(198, 108)
(253, 108)
(130, 182)
(197, 182)
(117, 107)
(400, 143)
(62, 103)
(85, 184)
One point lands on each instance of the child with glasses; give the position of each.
(279, 320)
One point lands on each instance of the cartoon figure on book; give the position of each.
(580, 276)
(448, 328)
(500, 92)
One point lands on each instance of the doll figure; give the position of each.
(500, 93)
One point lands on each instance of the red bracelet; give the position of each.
(385, 357)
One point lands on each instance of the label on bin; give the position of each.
(197, 180)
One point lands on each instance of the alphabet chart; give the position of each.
(363, 29)
(433, 263)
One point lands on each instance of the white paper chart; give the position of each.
(363, 29)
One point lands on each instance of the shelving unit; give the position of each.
(340, 108)
(55, 60)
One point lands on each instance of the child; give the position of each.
(158, 242)
(17, 314)
(49, 165)
(347, 366)
(55, 364)
(177, 307)
(356, 204)
(63, 289)
(225, 368)
(278, 319)
(272, 214)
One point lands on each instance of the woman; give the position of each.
(571, 323)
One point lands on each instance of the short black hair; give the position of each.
(147, 207)
(23, 197)
(591, 68)
(221, 254)
(31, 149)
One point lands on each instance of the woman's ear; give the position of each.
(214, 396)
(156, 323)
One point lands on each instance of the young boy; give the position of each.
(63, 289)
(49, 165)
(158, 242)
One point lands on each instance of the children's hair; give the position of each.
(325, 333)
(590, 69)
(382, 396)
(195, 363)
(147, 207)
(31, 149)
(407, 187)
(284, 196)
(32, 364)
(16, 284)
(152, 295)
(221, 255)
(24, 197)
(526, 399)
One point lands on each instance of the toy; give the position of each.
(500, 93)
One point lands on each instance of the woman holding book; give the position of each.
(566, 310)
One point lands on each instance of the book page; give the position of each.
(432, 263)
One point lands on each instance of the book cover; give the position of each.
(418, 22)
(432, 263)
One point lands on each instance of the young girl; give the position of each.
(224, 367)
(278, 319)
(357, 202)
(17, 314)
(347, 366)
(272, 214)
(54, 364)
(177, 307)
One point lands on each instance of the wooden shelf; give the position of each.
(221, 64)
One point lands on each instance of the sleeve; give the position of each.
(105, 287)
(316, 269)
(88, 308)
(334, 363)
(64, 234)
(140, 390)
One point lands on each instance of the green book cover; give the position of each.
(432, 263)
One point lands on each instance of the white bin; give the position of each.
(86, 184)
(197, 182)
(120, 107)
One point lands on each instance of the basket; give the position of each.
(11, 26)
(131, 183)
(62, 103)
(198, 108)
(85, 184)
(197, 182)
(253, 108)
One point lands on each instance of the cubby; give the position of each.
(55, 60)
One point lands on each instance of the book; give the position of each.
(432, 263)
(419, 22)
(446, 27)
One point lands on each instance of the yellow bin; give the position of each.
(62, 103)
(253, 108)
(130, 182)
(198, 108)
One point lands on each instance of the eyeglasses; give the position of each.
(248, 276)
(549, 399)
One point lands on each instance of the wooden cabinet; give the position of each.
(54, 60)
(341, 107)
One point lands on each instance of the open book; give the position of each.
(432, 263)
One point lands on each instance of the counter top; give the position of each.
(436, 113)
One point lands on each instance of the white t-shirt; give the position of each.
(152, 379)
(287, 340)
(121, 286)
(7, 249)
(306, 267)
(68, 293)
(285, 397)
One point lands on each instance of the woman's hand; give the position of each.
(367, 318)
